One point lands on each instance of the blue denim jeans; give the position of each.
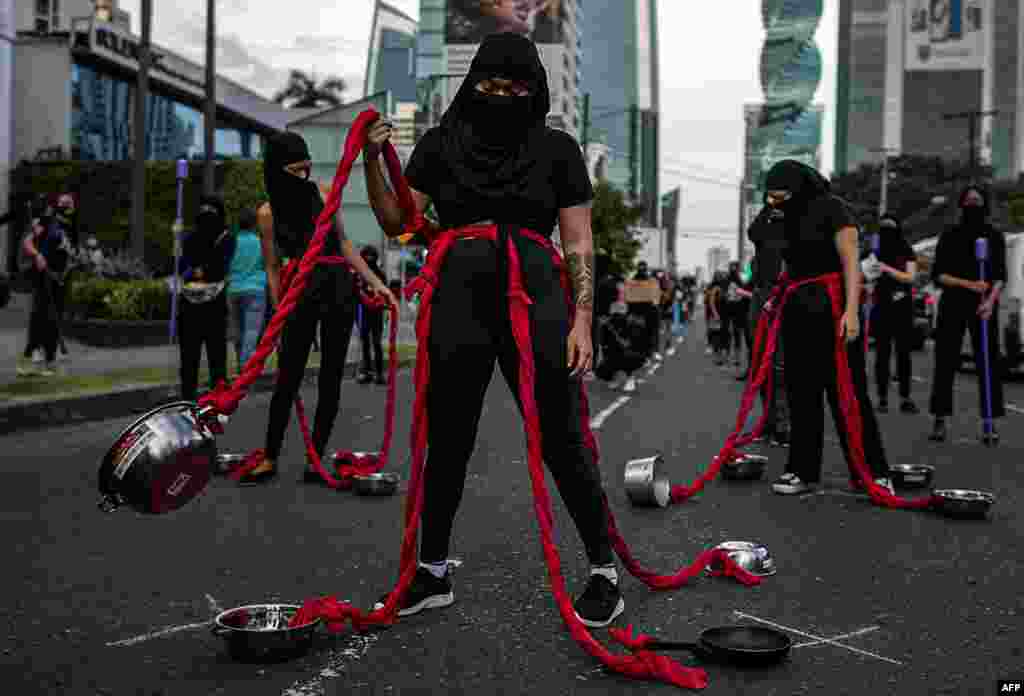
(247, 314)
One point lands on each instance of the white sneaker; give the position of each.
(658, 357)
(37, 357)
(671, 352)
(630, 385)
(790, 484)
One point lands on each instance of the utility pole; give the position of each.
(586, 123)
(210, 121)
(973, 117)
(138, 233)
(634, 147)
(883, 201)
(741, 236)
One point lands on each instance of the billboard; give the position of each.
(946, 34)
(467, 22)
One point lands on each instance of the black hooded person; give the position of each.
(371, 326)
(494, 162)
(203, 318)
(287, 224)
(821, 242)
(894, 312)
(965, 301)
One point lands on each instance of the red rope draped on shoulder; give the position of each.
(768, 328)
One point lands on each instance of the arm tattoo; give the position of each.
(581, 270)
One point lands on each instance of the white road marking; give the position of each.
(861, 632)
(597, 421)
(336, 661)
(157, 634)
(1014, 408)
(830, 641)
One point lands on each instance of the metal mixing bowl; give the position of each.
(383, 483)
(646, 486)
(964, 503)
(746, 467)
(751, 556)
(912, 475)
(260, 632)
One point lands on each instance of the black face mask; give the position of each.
(498, 119)
(973, 214)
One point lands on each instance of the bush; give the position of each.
(131, 300)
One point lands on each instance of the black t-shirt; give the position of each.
(955, 256)
(769, 240)
(895, 251)
(560, 180)
(811, 241)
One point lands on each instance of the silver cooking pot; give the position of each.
(645, 484)
(160, 462)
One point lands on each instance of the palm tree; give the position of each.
(303, 91)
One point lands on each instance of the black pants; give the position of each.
(778, 413)
(43, 322)
(735, 322)
(810, 335)
(955, 315)
(371, 336)
(893, 323)
(330, 302)
(469, 332)
(205, 323)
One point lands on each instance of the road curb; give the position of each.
(127, 401)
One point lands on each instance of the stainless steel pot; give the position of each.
(748, 555)
(646, 486)
(964, 504)
(160, 462)
(260, 632)
(746, 467)
(911, 475)
(383, 483)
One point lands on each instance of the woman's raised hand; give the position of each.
(379, 133)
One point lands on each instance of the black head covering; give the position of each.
(491, 142)
(200, 246)
(294, 202)
(804, 182)
(973, 216)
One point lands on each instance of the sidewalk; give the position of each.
(97, 383)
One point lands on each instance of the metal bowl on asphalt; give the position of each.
(748, 555)
(383, 483)
(225, 463)
(912, 475)
(260, 632)
(964, 503)
(646, 486)
(746, 467)
(160, 462)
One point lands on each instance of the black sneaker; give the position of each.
(883, 406)
(939, 432)
(426, 592)
(909, 406)
(381, 379)
(365, 378)
(780, 439)
(791, 484)
(600, 603)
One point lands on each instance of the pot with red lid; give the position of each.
(160, 462)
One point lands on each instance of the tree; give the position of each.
(303, 91)
(611, 221)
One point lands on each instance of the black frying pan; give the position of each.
(740, 645)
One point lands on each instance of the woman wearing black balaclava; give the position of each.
(494, 161)
(894, 318)
(203, 319)
(965, 301)
(287, 224)
(821, 239)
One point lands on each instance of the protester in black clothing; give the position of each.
(287, 225)
(736, 314)
(371, 329)
(769, 242)
(203, 318)
(893, 320)
(493, 161)
(65, 217)
(648, 311)
(821, 238)
(965, 301)
(48, 249)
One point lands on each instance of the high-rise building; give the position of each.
(619, 72)
(451, 31)
(903, 65)
(391, 64)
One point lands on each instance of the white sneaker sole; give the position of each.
(619, 608)
(789, 489)
(432, 602)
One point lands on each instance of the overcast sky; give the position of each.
(709, 70)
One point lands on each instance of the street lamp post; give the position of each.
(210, 120)
(138, 230)
(883, 201)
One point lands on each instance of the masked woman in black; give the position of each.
(287, 224)
(493, 163)
(965, 301)
(894, 317)
(371, 326)
(821, 239)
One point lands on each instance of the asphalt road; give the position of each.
(120, 604)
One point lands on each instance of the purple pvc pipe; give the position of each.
(981, 253)
(181, 172)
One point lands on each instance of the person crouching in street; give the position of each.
(894, 313)
(967, 300)
(203, 318)
(821, 240)
(371, 327)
